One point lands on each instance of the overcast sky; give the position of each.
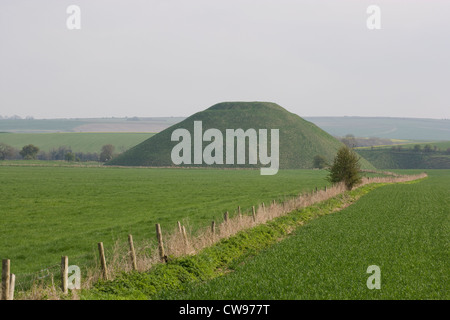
(177, 57)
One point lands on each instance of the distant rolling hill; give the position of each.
(392, 128)
(382, 127)
(134, 124)
(300, 140)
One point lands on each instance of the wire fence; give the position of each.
(178, 243)
(51, 275)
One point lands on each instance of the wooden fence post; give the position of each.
(64, 273)
(325, 188)
(101, 250)
(264, 207)
(213, 228)
(6, 279)
(239, 212)
(185, 236)
(253, 213)
(162, 254)
(225, 217)
(132, 253)
(12, 286)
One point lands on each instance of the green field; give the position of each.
(52, 211)
(402, 228)
(78, 142)
(47, 212)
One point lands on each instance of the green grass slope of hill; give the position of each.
(299, 139)
(47, 212)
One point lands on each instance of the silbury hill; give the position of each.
(299, 140)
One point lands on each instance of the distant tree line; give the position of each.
(353, 142)
(428, 148)
(319, 162)
(32, 152)
(66, 153)
(8, 152)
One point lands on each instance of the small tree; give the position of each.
(6, 151)
(417, 148)
(427, 148)
(107, 152)
(29, 152)
(319, 162)
(345, 168)
(350, 141)
(70, 157)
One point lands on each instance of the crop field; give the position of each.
(47, 212)
(401, 228)
(78, 142)
(50, 211)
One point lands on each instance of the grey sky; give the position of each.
(178, 57)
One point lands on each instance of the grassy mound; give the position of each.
(299, 139)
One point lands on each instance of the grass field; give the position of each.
(78, 142)
(402, 228)
(47, 212)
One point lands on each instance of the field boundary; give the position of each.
(222, 257)
(268, 222)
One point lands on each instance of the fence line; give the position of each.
(180, 243)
